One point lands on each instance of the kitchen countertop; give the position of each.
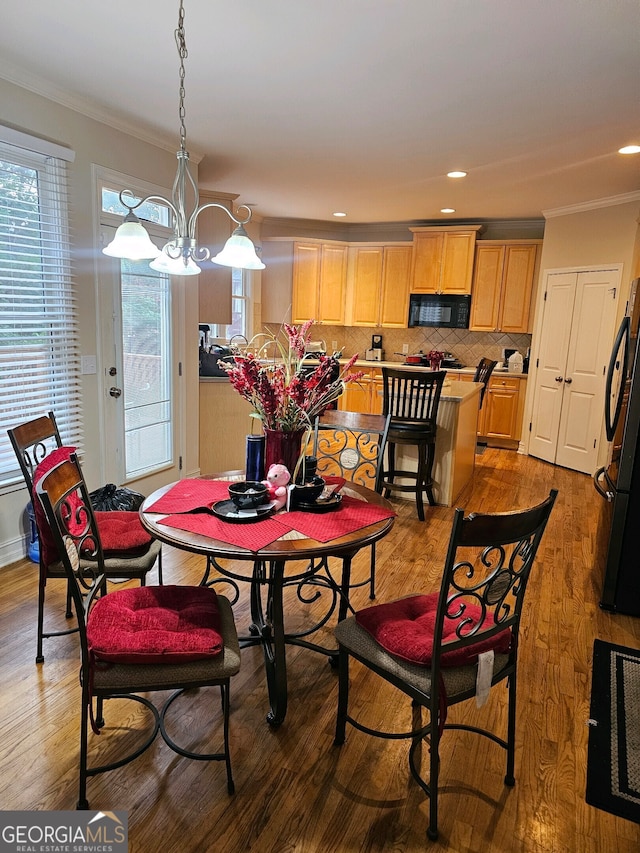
(363, 364)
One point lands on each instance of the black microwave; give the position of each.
(447, 311)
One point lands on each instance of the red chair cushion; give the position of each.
(155, 624)
(405, 628)
(121, 533)
(48, 550)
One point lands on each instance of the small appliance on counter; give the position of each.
(315, 348)
(376, 353)
(204, 330)
(450, 362)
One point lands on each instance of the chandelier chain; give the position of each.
(181, 254)
(182, 53)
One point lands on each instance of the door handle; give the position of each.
(568, 381)
(607, 494)
(559, 378)
(115, 392)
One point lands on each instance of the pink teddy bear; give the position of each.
(277, 480)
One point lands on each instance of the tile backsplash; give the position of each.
(468, 347)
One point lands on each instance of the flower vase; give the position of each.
(282, 448)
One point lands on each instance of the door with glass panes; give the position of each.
(141, 313)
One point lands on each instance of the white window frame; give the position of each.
(220, 332)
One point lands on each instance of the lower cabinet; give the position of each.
(499, 416)
(500, 420)
(365, 395)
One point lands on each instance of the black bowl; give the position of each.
(248, 494)
(308, 492)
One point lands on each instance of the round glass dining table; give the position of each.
(270, 569)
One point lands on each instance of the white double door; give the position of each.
(574, 346)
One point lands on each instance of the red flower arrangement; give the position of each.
(287, 388)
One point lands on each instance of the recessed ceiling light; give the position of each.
(456, 174)
(339, 213)
(629, 149)
(448, 210)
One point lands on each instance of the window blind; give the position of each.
(39, 345)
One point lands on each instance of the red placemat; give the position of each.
(252, 536)
(190, 494)
(353, 515)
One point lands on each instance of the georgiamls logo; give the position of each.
(64, 832)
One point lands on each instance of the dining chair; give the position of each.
(132, 553)
(136, 640)
(447, 646)
(411, 398)
(351, 445)
(483, 373)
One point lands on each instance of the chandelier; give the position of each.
(181, 254)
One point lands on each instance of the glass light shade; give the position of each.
(131, 241)
(174, 266)
(239, 252)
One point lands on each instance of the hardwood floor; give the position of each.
(295, 791)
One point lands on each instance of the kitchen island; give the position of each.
(225, 422)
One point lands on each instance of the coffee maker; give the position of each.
(376, 353)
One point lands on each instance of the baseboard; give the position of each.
(13, 550)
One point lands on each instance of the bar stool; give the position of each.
(483, 374)
(411, 398)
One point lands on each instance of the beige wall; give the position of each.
(605, 235)
(93, 143)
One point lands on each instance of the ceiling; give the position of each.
(361, 106)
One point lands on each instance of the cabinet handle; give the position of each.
(568, 381)
(559, 378)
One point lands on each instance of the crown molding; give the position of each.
(610, 201)
(88, 108)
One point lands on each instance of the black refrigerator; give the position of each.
(618, 532)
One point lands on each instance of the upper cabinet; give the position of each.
(319, 282)
(503, 281)
(443, 259)
(304, 280)
(378, 279)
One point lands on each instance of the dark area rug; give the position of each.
(613, 761)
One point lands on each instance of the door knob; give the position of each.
(568, 381)
(559, 378)
(115, 392)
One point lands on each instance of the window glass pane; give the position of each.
(147, 359)
(237, 282)
(151, 211)
(239, 310)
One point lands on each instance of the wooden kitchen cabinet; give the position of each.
(500, 418)
(365, 395)
(378, 286)
(443, 259)
(503, 282)
(501, 414)
(319, 282)
(303, 280)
